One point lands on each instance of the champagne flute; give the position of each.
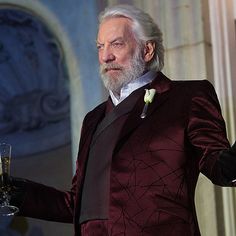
(5, 157)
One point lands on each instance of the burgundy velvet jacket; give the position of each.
(155, 164)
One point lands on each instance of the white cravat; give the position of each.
(132, 86)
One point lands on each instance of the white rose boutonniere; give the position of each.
(148, 98)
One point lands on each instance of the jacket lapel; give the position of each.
(162, 85)
(87, 135)
(87, 132)
(122, 109)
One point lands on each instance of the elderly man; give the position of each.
(142, 150)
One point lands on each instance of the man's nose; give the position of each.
(107, 56)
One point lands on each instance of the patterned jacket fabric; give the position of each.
(154, 163)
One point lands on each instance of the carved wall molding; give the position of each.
(34, 96)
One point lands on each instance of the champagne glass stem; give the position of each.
(5, 198)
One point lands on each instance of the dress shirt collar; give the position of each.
(125, 91)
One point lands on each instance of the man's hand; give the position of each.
(228, 163)
(17, 190)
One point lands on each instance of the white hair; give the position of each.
(144, 29)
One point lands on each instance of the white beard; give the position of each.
(124, 74)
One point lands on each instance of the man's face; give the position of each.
(118, 53)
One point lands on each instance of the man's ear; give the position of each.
(149, 51)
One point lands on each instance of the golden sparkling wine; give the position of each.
(5, 156)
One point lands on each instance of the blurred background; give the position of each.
(49, 81)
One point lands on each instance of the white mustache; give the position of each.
(105, 67)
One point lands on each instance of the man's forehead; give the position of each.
(118, 27)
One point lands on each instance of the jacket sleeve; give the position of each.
(48, 203)
(207, 132)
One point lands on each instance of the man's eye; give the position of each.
(99, 47)
(117, 44)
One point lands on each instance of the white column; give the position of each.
(224, 61)
(224, 57)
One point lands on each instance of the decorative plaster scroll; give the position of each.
(34, 97)
(33, 110)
